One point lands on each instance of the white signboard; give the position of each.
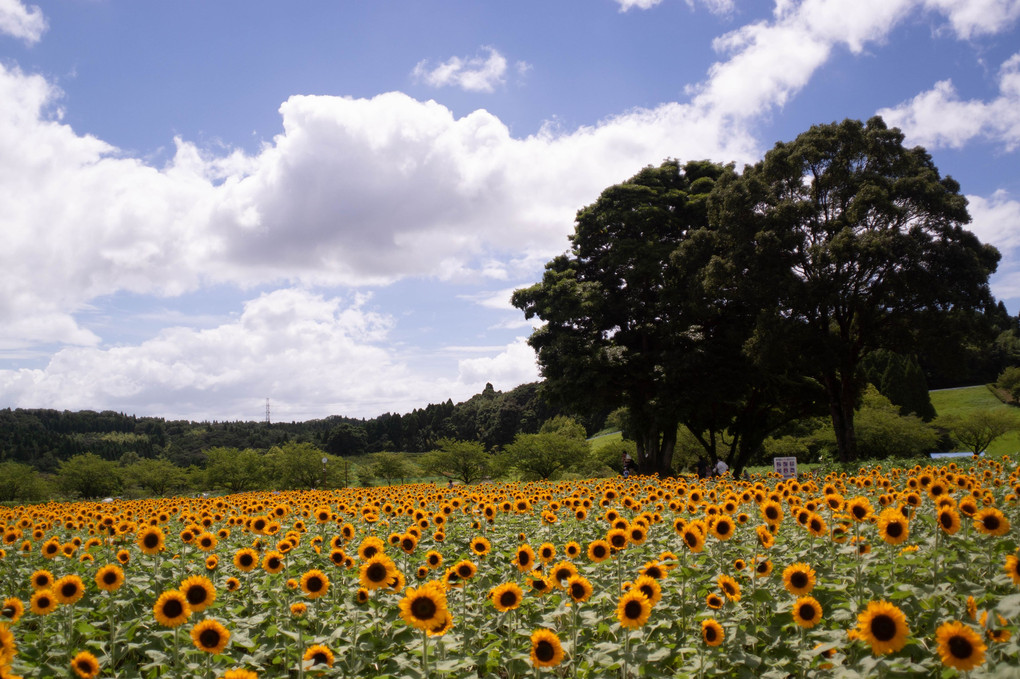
(785, 467)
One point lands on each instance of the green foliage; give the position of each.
(235, 470)
(862, 242)
(882, 432)
(1009, 380)
(900, 379)
(296, 465)
(564, 426)
(392, 467)
(977, 430)
(540, 456)
(88, 476)
(20, 482)
(615, 332)
(463, 460)
(160, 477)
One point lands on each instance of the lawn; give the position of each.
(968, 399)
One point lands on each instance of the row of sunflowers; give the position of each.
(890, 571)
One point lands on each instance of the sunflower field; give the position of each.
(889, 572)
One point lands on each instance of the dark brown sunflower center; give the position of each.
(859, 511)
(816, 525)
(577, 590)
(806, 612)
(376, 572)
(423, 608)
(210, 638)
(273, 563)
(723, 527)
(320, 658)
(370, 551)
(799, 579)
(599, 551)
(991, 522)
(464, 571)
(771, 513)
(245, 560)
(618, 540)
(883, 627)
(960, 647)
(727, 587)
(84, 665)
(562, 574)
(151, 541)
(173, 608)
(894, 530)
(7, 612)
(946, 519)
(109, 578)
(508, 599)
(544, 651)
(710, 634)
(632, 610)
(69, 589)
(196, 595)
(314, 583)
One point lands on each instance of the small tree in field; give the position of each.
(977, 430)
(466, 461)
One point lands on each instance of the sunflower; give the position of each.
(171, 609)
(807, 612)
(729, 587)
(772, 513)
(465, 569)
(206, 542)
(949, 520)
(546, 552)
(816, 525)
(617, 538)
(408, 543)
(539, 583)
(43, 602)
(109, 578)
(579, 588)
(959, 646)
(12, 609)
(598, 551)
(884, 626)
(239, 673)
(42, 579)
(123, 557)
(572, 549)
(318, 654)
(69, 589)
(546, 650)
(246, 559)
(654, 569)
(233, 584)
(859, 508)
(506, 597)
(371, 546)
(723, 528)
(799, 578)
(424, 607)
(764, 535)
(199, 592)
(272, 562)
(362, 596)
(714, 601)
(85, 665)
(377, 572)
(150, 540)
(991, 521)
(561, 572)
(480, 546)
(892, 527)
(298, 609)
(1013, 568)
(8, 647)
(633, 609)
(314, 583)
(693, 538)
(434, 559)
(712, 632)
(210, 636)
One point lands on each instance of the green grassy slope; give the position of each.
(967, 399)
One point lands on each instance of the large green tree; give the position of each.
(864, 243)
(615, 329)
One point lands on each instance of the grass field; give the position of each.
(968, 399)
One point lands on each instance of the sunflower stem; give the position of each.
(425, 652)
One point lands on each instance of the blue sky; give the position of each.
(207, 204)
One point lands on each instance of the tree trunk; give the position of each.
(655, 450)
(841, 407)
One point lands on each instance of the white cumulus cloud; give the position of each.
(473, 74)
(938, 117)
(639, 4)
(17, 20)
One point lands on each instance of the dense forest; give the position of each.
(43, 438)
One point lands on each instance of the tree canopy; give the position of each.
(864, 243)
